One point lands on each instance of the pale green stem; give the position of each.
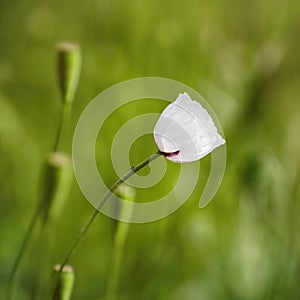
(116, 260)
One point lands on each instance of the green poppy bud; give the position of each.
(69, 67)
(57, 183)
(65, 284)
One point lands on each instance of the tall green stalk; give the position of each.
(56, 185)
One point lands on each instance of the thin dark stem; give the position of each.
(21, 252)
(95, 213)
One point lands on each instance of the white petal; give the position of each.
(186, 126)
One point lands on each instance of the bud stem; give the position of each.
(63, 129)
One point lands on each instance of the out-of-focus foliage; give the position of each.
(244, 58)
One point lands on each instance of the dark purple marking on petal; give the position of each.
(170, 154)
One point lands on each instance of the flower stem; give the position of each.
(95, 213)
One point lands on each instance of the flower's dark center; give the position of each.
(169, 154)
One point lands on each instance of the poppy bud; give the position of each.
(65, 284)
(57, 183)
(69, 66)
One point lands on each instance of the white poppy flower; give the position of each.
(185, 131)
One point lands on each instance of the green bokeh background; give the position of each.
(244, 58)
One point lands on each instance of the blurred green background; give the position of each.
(244, 58)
